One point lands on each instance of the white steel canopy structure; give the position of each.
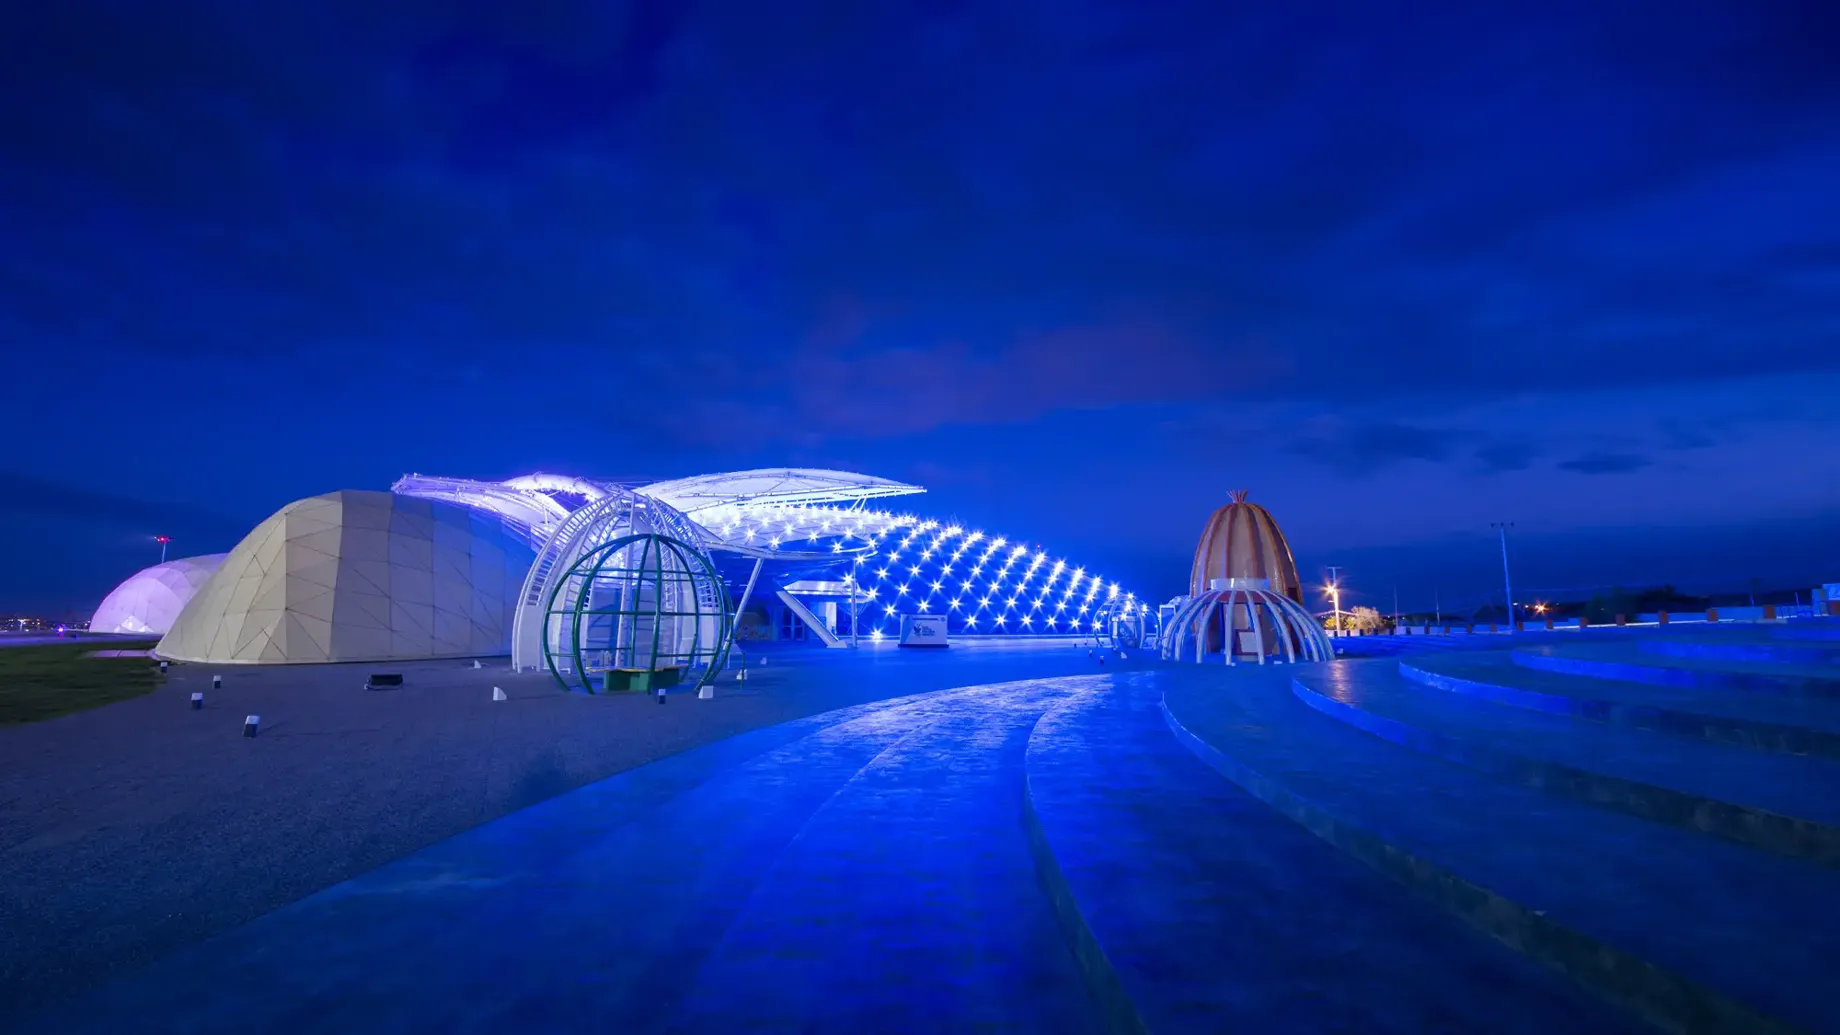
(778, 486)
(533, 513)
(808, 523)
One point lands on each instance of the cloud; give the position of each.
(844, 389)
(1679, 435)
(25, 494)
(1604, 462)
(1081, 367)
(646, 182)
(1357, 449)
(1502, 456)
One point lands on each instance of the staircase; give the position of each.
(1550, 838)
(811, 620)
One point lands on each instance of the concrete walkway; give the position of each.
(1163, 848)
(925, 864)
(866, 869)
(132, 831)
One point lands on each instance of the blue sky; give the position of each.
(1400, 269)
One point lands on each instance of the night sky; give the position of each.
(1400, 269)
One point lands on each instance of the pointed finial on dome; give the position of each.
(1238, 495)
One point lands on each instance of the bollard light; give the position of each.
(197, 700)
(250, 724)
(217, 682)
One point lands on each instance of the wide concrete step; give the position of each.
(1807, 629)
(1414, 644)
(1693, 932)
(1743, 646)
(1779, 803)
(1628, 662)
(1770, 722)
(1200, 909)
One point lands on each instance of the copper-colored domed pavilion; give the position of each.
(1245, 601)
(1241, 541)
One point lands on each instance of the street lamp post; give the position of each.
(1507, 582)
(1335, 599)
(162, 540)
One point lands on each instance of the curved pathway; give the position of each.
(864, 863)
(1040, 856)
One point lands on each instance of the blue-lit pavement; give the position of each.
(1691, 930)
(869, 869)
(1217, 913)
(863, 870)
(1285, 849)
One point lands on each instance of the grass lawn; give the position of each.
(40, 682)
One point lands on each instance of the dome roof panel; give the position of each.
(1243, 541)
(149, 601)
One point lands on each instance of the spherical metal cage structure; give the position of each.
(642, 612)
(617, 512)
(1124, 628)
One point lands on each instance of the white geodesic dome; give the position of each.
(149, 601)
(358, 576)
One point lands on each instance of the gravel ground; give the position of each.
(142, 827)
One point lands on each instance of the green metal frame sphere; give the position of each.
(641, 612)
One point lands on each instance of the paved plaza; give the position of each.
(995, 838)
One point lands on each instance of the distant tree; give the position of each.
(1619, 600)
(1603, 607)
(1359, 620)
(1667, 598)
(1368, 620)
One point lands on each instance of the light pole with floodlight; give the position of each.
(1335, 599)
(1507, 583)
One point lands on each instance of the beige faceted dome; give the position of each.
(357, 576)
(1242, 541)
